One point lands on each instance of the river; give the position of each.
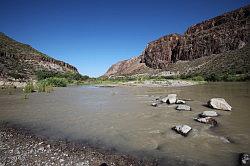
(123, 118)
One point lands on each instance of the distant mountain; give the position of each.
(19, 62)
(220, 44)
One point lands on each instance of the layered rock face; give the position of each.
(213, 45)
(227, 32)
(127, 67)
(20, 61)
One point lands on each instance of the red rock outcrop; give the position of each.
(227, 32)
(127, 67)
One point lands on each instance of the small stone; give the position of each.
(154, 104)
(61, 160)
(180, 102)
(41, 148)
(170, 99)
(183, 108)
(209, 114)
(182, 129)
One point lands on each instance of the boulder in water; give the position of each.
(182, 129)
(183, 108)
(219, 103)
(170, 99)
(207, 120)
(208, 114)
(244, 159)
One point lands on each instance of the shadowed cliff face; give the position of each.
(218, 35)
(20, 61)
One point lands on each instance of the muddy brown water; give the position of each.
(122, 118)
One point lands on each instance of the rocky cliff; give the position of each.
(127, 67)
(218, 35)
(19, 62)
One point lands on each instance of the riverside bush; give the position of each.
(44, 87)
(198, 78)
(71, 77)
(29, 88)
(55, 81)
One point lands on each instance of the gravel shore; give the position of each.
(21, 147)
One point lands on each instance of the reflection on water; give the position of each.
(122, 118)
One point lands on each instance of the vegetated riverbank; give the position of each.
(165, 81)
(20, 147)
(45, 80)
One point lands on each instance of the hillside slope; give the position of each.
(19, 62)
(224, 35)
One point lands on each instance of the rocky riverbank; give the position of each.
(21, 147)
(153, 83)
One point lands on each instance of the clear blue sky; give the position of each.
(94, 34)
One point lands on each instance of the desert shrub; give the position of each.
(198, 78)
(213, 77)
(55, 81)
(235, 77)
(43, 86)
(41, 74)
(70, 77)
(29, 88)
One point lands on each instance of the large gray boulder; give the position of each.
(183, 108)
(219, 103)
(182, 129)
(170, 99)
(209, 114)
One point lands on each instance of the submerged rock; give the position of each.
(154, 104)
(244, 159)
(208, 114)
(219, 103)
(182, 129)
(180, 102)
(170, 99)
(207, 120)
(183, 108)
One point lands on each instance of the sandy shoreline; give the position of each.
(20, 147)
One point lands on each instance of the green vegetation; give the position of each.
(213, 77)
(70, 77)
(47, 80)
(43, 86)
(55, 81)
(29, 88)
(195, 77)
